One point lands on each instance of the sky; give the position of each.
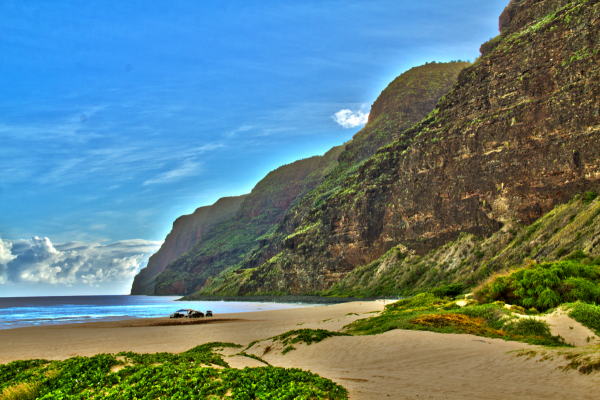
(118, 117)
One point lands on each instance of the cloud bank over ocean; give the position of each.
(38, 260)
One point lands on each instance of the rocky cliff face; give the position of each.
(228, 242)
(409, 98)
(187, 231)
(518, 134)
(570, 231)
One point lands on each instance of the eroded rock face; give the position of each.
(187, 231)
(518, 134)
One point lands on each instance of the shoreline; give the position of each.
(396, 364)
(290, 298)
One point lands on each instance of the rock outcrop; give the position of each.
(517, 135)
(187, 231)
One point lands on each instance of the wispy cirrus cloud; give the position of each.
(189, 167)
(186, 169)
(243, 128)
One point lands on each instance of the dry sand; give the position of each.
(397, 364)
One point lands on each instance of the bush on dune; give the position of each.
(545, 286)
(448, 290)
(423, 300)
(528, 327)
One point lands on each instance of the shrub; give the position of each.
(447, 290)
(528, 327)
(173, 376)
(590, 196)
(493, 314)
(544, 286)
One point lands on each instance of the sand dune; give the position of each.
(397, 364)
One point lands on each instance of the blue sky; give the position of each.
(118, 117)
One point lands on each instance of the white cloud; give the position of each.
(350, 119)
(5, 257)
(39, 261)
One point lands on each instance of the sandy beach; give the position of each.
(397, 364)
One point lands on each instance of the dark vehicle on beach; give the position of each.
(209, 313)
(195, 314)
(187, 313)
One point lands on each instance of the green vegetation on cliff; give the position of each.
(475, 185)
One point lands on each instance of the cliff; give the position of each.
(228, 242)
(516, 136)
(187, 231)
(406, 100)
(569, 231)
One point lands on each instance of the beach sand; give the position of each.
(397, 364)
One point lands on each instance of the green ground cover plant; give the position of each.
(160, 375)
(431, 313)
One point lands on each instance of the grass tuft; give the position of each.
(22, 391)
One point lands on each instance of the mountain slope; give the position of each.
(227, 243)
(517, 135)
(406, 100)
(186, 232)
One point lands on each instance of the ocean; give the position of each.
(17, 312)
